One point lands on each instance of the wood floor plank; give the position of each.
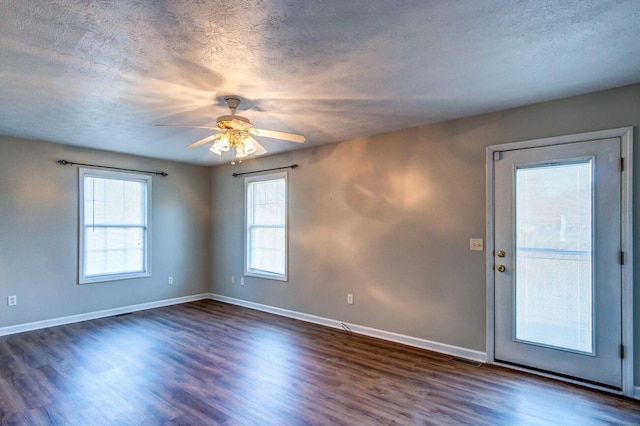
(208, 362)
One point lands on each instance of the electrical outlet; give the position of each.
(350, 299)
(12, 300)
(476, 244)
(241, 280)
(170, 281)
(233, 279)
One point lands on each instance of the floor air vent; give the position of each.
(465, 361)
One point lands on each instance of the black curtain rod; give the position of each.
(69, 163)
(293, 166)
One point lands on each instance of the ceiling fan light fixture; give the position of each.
(221, 144)
(233, 133)
(240, 151)
(225, 142)
(241, 143)
(215, 149)
(249, 147)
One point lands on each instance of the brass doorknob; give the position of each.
(501, 253)
(501, 268)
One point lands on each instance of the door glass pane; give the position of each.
(553, 258)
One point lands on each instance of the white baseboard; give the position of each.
(381, 334)
(36, 325)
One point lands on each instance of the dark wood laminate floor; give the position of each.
(212, 363)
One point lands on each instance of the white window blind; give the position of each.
(114, 225)
(266, 226)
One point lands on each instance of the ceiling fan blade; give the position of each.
(277, 135)
(260, 150)
(189, 127)
(203, 141)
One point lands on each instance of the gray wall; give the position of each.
(39, 233)
(388, 218)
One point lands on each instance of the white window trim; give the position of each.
(82, 278)
(253, 272)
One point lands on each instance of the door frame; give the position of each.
(626, 136)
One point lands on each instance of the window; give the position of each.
(114, 225)
(266, 226)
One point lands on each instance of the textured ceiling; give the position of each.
(101, 73)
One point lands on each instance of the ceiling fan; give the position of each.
(234, 132)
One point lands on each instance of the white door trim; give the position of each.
(626, 136)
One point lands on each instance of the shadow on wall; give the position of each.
(386, 213)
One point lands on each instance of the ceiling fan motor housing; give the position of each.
(231, 122)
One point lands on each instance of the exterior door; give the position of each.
(557, 240)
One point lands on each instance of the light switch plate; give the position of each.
(476, 244)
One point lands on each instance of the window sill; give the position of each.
(112, 277)
(266, 275)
